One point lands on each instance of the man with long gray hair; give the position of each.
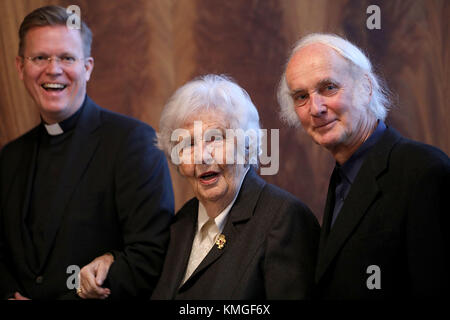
(383, 227)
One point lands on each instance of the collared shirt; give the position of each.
(200, 249)
(65, 125)
(344, 175)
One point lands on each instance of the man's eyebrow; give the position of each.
(295, 92)
(320, 84)
(38, 53)
(66, 53)
(326, 81)
(42, 53)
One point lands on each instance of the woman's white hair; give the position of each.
(379, 103)
(215, 94)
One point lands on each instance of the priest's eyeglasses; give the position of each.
(43, 61)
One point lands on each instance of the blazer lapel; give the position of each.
(361, 196)
(241, 212)
(182, 237)
(215, 253)
(83, 144)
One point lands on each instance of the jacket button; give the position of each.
(39, 279)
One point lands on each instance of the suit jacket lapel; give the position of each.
(327, 216)
(83, 144)
(182, 237)
(362, 194)
(241, 212)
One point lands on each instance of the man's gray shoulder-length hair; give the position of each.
(379, 103)
(214, 94)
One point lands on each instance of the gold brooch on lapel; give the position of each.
(220, 242)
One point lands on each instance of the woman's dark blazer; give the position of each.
(270, 249)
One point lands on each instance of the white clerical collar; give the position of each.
(53, 129)
(221, 218)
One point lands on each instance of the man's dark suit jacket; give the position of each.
(270, 249)
(394, 217)
(115, 196)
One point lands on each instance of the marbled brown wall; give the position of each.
(145, 49)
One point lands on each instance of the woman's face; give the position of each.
(204, 163)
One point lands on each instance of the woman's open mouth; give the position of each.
(208, 177)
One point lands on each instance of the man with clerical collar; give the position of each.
(384, 226)
(86, 189)
(63, 127)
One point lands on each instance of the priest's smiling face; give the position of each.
(55, 71)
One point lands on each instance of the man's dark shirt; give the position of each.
(52, 152)
(344, 175)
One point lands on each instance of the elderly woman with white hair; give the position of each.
(240, 237)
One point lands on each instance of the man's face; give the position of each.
(326, 98)
(57, 89)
